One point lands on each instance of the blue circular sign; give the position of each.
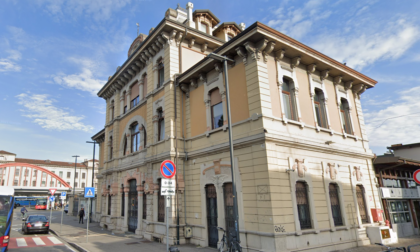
(168, 169)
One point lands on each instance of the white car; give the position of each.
(66, 208)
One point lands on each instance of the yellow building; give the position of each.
(302, 163)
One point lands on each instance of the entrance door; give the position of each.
(132, 206)
(360, 193)
(211, 198)
(229, 216)
(401, 218)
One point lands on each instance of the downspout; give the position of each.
(176, 131)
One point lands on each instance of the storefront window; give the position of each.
(400, 211)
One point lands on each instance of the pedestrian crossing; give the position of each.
(26, 242)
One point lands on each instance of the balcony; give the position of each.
(400, 193)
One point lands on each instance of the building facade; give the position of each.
(32, 176)
(399, 192)
(302, 165)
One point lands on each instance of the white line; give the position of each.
(21, 242)
(38, 241)
(55, 240)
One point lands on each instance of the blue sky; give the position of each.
(55, 55)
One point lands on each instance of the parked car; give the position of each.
(66, 208)
(35, 224)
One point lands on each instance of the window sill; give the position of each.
(286, 120)
(345, 135)
(307, 231)
(208, 133)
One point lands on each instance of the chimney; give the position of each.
(242, 25)
(190, 21)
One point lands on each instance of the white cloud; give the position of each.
(364, 46)
(84, 80)
(7, 65)
(398, 122)
(40, 108)
(98, 9)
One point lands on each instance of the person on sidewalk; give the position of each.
(81, 215)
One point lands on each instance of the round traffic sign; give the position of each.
(168, 169)
(416, 176)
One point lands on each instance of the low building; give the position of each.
(302, 164)
(400, 193)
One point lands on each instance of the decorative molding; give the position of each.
(193, 82)
(357, 173)
(269, 48)
(331, 170)
(300, 167)
(255, 49)
(242, 53)
(203, 77)
(337, 80)
(311, 68)
(279, 54)
(204, 47)
(348, 85)
(191, 42)
(178, 38)
(324, 74)
(218, 67)
(295, 62)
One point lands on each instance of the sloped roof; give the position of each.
(7, 153)
(47, 162)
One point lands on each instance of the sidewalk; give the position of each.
(103, 240)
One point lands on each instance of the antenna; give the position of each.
(137, 29)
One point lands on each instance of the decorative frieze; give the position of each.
(300, 167)
(204, 47)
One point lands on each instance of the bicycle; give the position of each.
(391, 248)
(234, 245)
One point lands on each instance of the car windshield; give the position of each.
(37, 218)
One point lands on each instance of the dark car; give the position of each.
(35, 224)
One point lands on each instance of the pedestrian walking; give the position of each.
(81, 215)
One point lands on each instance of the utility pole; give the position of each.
(74, 177)
(93, 174)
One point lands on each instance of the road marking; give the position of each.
(21, 242)
(55, 240)
(38, 241)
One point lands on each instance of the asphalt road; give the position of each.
(35, 242)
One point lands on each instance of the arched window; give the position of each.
(144, 137)
(216, 109)
(335, 205)
(161, 125)
(161, 74)
(320, 108)
(345, 116)
(303, 205)
(135, 137)
(111, 149)
(361, 202)
(289, 103)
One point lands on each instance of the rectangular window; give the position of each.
(35, 173)
(303, 205)
(68, 174)
(335, 205)
(320, 109)
(109, 204)
(44, 174)
(111, 149)
(77, 175)
(161, 74)
(135, 101)
(27, 172)
(345, 116)
(216, 107)
(203, 27)
(51, 183)
(15, 183)
(125, 109)
(112, 113)
(33, 183)
(144, 205)
(161, 125)
(17, 171)
(60, 174)
(83, 185)
(68, 182)
(83, 175)
(25, 183)
(288, 100)
(43, 183)
(122, 201)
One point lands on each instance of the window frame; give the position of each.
(202, 24)
(305, 223)
(291, 99)
(320, 113)
(345, 117)
(212, 115)
(161, 71)
(135, 137)
(161, 124)
(336, 210)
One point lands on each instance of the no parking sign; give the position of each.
(168, 169)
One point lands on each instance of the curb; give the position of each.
(73, 245)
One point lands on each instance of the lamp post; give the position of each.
(225, 60)
(74, 177)
(93, 174)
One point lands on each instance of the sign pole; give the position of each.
(167, 222)
(50, 211)
(87, 229)
(62, 213)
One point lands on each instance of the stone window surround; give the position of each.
(127, 135)
(125, 93)
(157, 105)
(218, 180)
(293, 177)
(327, 173)
(159, 58)
(110, 133)
(345, 95)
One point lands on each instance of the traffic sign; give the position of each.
(52, 198)
(416, 176)
(52, 190)
(168, 169)
(63, 194)
(168, 183)
(167, 191)
(89, 192)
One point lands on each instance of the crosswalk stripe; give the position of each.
(55, 240)
(38, 241)
(21, 242)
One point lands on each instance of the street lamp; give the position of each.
(74, 177)
(225, 60)
(93, 173)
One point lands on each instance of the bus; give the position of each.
(41, 203)
(27, 200)
(7, 202)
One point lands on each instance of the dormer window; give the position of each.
(203, 27)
